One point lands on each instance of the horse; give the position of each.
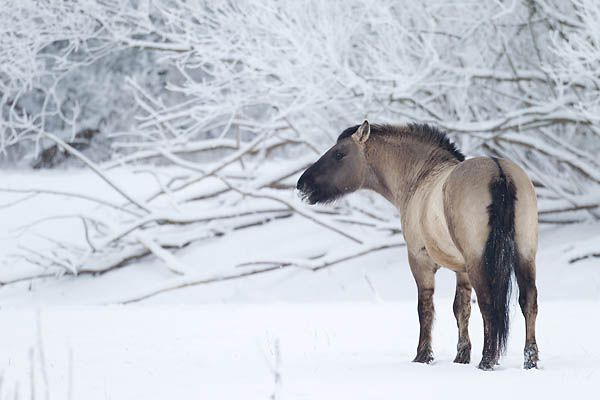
(477, 217)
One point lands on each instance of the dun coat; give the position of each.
(477, 217)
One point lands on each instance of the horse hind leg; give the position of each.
(494, 271)
(490, 353)
(462, 312)
(525, 274)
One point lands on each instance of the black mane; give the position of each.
(423, 132)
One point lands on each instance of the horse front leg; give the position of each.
(423, 270)
(462, 312)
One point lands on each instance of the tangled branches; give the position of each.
(235, 99)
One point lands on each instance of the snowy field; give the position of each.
(319, 350)
(349, 330)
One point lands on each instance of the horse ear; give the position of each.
(362, 133)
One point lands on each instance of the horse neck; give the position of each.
(397, 169)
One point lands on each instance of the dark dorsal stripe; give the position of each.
(423, 132)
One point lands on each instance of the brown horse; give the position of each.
(476, 217)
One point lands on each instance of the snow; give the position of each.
(349, 330)
(352, 350)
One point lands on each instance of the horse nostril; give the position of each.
(303, 182)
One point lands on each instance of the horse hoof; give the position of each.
(463, 357)
(486, 365)
(424, 357)
(463, 353)
(531, 356)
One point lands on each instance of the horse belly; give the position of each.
(438, 242)
(442, 250)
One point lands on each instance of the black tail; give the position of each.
(500, 257)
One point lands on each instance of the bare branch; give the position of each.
(183, 282)
(95, 168)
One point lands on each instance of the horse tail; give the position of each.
(500, 258)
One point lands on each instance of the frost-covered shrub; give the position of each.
(513, 78)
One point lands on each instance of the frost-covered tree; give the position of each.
(222, 90)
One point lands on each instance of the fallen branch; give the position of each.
(316, 265)
(169, 259)
(71, 194)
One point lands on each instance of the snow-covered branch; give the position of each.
(224, 103)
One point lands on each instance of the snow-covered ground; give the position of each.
(353, 350)
(348, 331)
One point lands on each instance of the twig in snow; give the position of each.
(41, 353)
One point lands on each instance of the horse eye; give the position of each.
(338, 156)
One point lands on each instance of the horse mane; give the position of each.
(424, 133)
